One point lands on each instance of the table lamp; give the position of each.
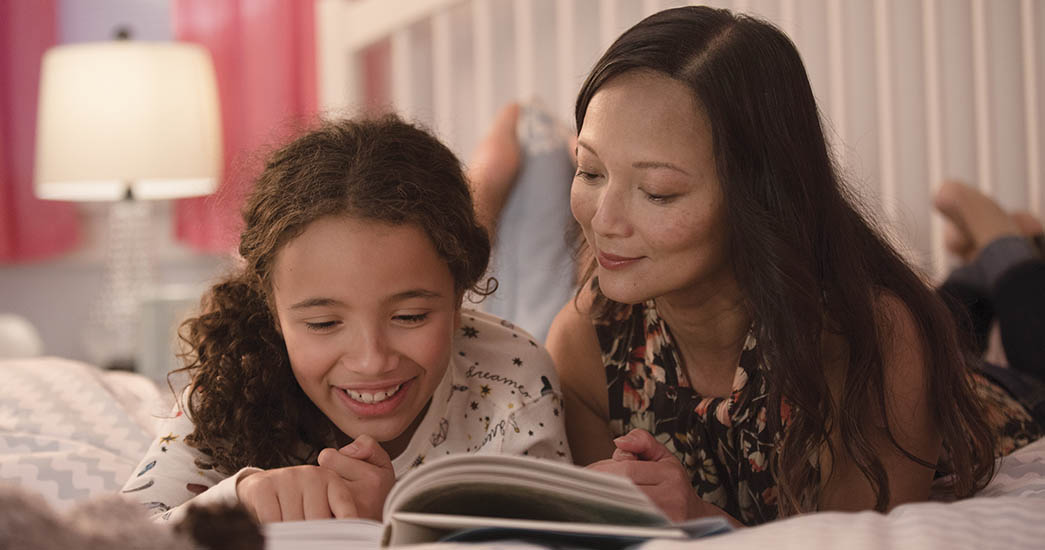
(127, 122)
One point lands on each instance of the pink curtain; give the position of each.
(30, 229)
(264, 56)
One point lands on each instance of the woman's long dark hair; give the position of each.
(805, 258)
(246, 405)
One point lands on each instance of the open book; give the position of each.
(471, 497)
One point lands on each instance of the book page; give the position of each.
(339, 534)
(524, 488)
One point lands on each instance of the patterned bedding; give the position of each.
(69, 431)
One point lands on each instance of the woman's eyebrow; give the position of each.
(642, 164)
(652, 164)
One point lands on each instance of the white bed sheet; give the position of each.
(1007, 514)
(70, 431)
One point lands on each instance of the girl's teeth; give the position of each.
(372, 397)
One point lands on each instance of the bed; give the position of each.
(72, 432)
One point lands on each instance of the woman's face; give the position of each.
(646, 192)
(368, 312)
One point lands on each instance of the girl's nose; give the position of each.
(374, 355)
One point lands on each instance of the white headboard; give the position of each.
(914, 91)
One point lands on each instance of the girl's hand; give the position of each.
(296, 493)
(659, 474)
(366, 469)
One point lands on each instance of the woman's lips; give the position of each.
(612, 261)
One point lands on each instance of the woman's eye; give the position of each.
(659, 199)
(414, 319)
(321, 326)
(587, 176)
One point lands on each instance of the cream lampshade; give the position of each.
(127, 118)
(124, 121)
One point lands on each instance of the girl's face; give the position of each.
(646, 192)
(368, 312)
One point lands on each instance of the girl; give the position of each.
(746, 343)
(340, 356)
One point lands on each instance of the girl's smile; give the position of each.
(374, 402)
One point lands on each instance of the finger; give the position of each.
(340, 501)
(266, 507)
(608, 466)
(621, 454)
(640, 472)
(348, 468)
(643, 445)
(314, 504)
(367, 448)
(290, 506)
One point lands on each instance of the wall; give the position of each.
(911, 91)
(57, 295)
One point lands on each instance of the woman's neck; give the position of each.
(708, 325)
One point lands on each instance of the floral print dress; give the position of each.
(725, 443)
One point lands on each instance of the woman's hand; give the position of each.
(296, 493)
(659, 474)
(366, 469)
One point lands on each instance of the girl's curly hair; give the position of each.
(246, 405)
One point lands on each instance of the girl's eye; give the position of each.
(320, 327)
(414, 319)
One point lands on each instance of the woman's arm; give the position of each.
(910, 417)
(574, 348)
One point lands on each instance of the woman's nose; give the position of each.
(610, 216)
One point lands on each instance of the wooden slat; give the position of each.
(607, 22)
(564, 10)
(402, 73)
(482, 52)
(934, 130)
(836, 78)
(886, 130)
(442, 75)
(335, 60)
(981, 97)
(525, 49)
(1031, 102)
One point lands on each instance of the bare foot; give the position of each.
(495, 163)
(975, 220)
(1029, 224)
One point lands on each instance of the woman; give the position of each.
(739, 306)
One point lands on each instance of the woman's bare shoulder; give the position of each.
(573, 343)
